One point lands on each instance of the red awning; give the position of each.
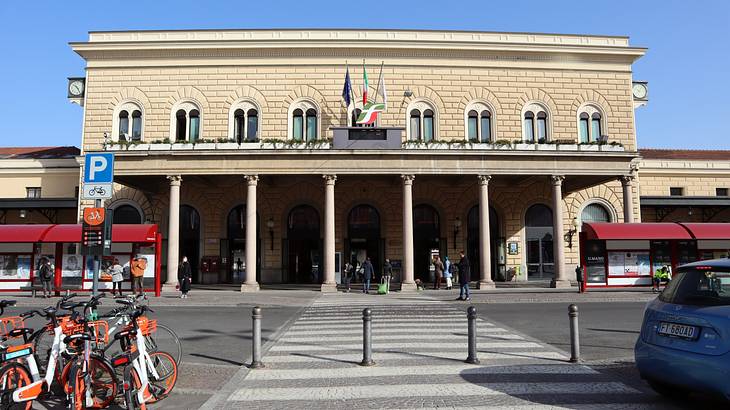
(71, 233)
(637, 231)
(22, 233)
(709, 230)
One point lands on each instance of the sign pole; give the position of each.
(97, 264)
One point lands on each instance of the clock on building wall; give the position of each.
(76, 87)
(640, 90)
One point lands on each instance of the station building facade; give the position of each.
(238, 144)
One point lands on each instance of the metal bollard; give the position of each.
(471, 315)
(256, 353)
(367, 338)
(574, 337)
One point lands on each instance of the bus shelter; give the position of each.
(22, 247)
(628, 254)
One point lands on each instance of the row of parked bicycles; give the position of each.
(85, 359)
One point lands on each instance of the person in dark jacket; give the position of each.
(184, 277)
(367, 273)
(464, 277)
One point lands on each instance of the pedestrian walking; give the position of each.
(367, 272)
(45, 271)
(387, 273)
(184, 277)
(448, 267)
(347, 276)
(439, 270)
(116, 271)
(464, 277)
(139, 265)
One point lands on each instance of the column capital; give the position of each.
(408, 179)
(557, 180)
(329, 179)
(174, 179)
(484, 179)
(252, 179)
(627, 179)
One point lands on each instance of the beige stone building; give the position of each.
(38, 185)
(238, 143)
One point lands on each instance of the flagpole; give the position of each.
(380, 78)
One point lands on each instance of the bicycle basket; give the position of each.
(146, 326)
(71, 327)
(100, 330)
(10, 323)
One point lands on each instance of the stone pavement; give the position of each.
(419, 346)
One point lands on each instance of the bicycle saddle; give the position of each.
(20, 332)
(78, 336)
(5, 303)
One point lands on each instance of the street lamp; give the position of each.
(568, 237)
(457, 225)
(270, 225)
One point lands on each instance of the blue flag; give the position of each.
(347, 89)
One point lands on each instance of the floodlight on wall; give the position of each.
(407, 93)
(23, 213)
(568, 237)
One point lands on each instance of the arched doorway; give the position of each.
(236, 252)
(426, 240)
(190, 238)
(126, 214)
(363, 236)
(496, 243)
(539, 242)
(303, 245)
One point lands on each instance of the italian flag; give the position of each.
(364, 85)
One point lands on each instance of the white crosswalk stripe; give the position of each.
(419, 346)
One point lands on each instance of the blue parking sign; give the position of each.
(99, 168)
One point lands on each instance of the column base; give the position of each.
(328, 288)
(169, 288)
(486, 285)
(560, 283)
(408, 287)
(250, 287)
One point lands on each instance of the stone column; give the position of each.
(561, 278)
(485, 250)
(627, 183)
(249, 283)
(329, 284)
(173, 231)
(407, 281)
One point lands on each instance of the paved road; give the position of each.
(420, 345)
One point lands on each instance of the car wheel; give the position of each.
(668, 390)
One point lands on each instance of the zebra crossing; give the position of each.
(419, 346)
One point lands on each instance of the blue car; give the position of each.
(684, 344)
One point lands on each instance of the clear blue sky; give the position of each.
(687, 65)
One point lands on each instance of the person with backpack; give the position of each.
(448, 272)
(45, 271)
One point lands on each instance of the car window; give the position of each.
(703, 286)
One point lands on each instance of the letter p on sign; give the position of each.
(99, 168)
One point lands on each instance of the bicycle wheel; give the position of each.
(165, 340)
(13, 375)
(103, 382)
(162, 385)
(42, 345)
(130, 395)
(76, 388)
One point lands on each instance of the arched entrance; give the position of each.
(539, 242)
(126, 214)
(190, 238)
(302, 247)
(363, 236)
(236, 252)
(426, 240)
(496, 243)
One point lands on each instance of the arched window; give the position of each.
(126, 214)
(595, 213)
(123, 125)
(127, 122)
(590, 123)
(478, 117)
(536, 124)
(243, 121)
(472, 125)
(539, 215)
(304, 121)
(486, 126)
(187, 122)
(422, 122)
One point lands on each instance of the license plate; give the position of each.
(674, 329)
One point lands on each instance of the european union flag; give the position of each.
(347, 89)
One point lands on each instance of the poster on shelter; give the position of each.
(14, 267)
(616, 263)
(72, 265)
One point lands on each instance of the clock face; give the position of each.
(76, 88)
(639, 91)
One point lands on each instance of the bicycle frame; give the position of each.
(39, 386)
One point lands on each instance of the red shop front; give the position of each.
(618, 255)
(23, 246)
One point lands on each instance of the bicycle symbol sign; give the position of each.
(94, 216)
